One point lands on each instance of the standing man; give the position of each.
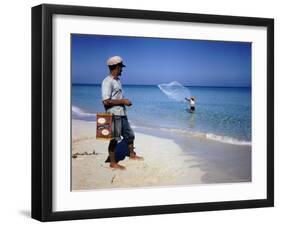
(115, 103)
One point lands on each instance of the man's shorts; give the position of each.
(122, 129)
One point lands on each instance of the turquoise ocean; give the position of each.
(222, 113)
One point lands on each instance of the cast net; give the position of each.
(175, 91)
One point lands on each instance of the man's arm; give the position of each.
(110, 103)
(106, 96)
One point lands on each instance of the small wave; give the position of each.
(78, 113)
(209, 136)
(226, 139)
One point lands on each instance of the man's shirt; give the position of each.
(112, 89)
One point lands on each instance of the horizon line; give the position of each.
(95, 84)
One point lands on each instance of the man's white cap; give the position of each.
(115, 60)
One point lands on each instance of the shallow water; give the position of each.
(222, 114)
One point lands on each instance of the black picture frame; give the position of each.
(42, 108)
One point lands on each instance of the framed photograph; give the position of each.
(145, 112)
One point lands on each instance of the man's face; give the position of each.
(119, 68)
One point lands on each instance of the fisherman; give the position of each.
(191, 102)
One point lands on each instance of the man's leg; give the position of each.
(112, 144)
(111, 152)
(129, 136)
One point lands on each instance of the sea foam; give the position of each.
(78, 113)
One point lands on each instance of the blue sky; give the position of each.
(151, 61)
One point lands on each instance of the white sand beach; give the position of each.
(166, 162)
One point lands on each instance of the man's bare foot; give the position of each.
(136, 157)
(117, 166)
